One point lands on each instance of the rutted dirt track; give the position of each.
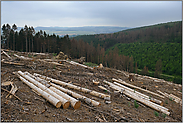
(34, 108)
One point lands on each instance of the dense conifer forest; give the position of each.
(156, 48)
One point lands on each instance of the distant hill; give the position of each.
(75, 31)
(166, 32)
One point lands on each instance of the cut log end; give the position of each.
(77, 105)
(99, 104)
(58, 104)
(161, 104)
(66, 105)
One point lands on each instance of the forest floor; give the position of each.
(34, 108)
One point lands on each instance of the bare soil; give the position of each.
(35, 108)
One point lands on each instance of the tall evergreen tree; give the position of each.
(26, 34)
(14, 27)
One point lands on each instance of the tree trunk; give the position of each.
(47, 96)
(32, 45)
(64, 102)
(94, 93)
(133, 86)
(26, 44)
(14, 41)
(29, 45)
(136, 97)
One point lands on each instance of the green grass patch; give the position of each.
(90, 64)
(156, 113)
(166, 101)
(54, 54)
(164, 115)
(170, 99)
(135, 104)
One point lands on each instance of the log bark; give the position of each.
(75, 63)
(177, 99)
(143, 101)
(94, 93)
(138, 94)
(174, 98)
(76, 95)
(143, 95)
(74, 103)
(104, 89)
(50, 98)
(133, 86)
(65, 103)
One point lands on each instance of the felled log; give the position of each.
(174, 98)
(12, 63)
(75, 63)
(6, 83)
(103, 88)
(95, 82)
(6, 54)
(65, 103)
(12, 87)
(133, 86)
(56, 102)
(12, 94)
(76, 95)
(138, 93)
(13, 91)
(94, 93)
(143, 101)
(74, 103)
(55, 63)
(22, 57)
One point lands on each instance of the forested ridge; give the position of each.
(163, 33)
(147, 54)
(146, 46)
(126, 50)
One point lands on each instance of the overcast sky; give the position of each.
(89, 13)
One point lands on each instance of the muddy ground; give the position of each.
(34, 108)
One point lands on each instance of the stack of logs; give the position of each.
(144, 99)
(57, 95)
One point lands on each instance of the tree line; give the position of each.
(28, 40)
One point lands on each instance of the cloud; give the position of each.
(88, 13)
